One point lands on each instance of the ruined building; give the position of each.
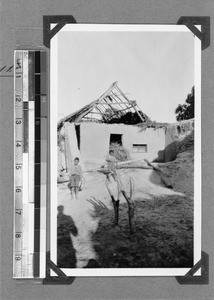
(112, 118)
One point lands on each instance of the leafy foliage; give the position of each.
(186, 110)
(120, 153)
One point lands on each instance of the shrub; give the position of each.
(120, 153)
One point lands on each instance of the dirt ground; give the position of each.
(163, 222)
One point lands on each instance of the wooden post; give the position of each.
(130, 202)
(115, 202)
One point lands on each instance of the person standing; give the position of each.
(112, 165)
(76, 178)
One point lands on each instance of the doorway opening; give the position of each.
(77, 128)
(115, 138)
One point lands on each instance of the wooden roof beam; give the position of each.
(115, 98)
(86, 112)
(103, 103)
(101, 113)
(119, 90)
(108, 91)
(138, 114)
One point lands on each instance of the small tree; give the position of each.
(186, 110)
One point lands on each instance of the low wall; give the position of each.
(174, 134)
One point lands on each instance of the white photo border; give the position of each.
(78, 272)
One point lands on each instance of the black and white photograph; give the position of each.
(125, 143)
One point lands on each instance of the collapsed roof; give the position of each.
(112, 107)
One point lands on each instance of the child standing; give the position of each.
(76, 178)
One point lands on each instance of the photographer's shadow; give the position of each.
(66, 254)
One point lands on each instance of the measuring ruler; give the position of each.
(30, 155)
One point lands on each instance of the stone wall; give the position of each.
(176, 132)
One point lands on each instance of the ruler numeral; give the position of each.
(18, 122)
(18, 63)
(18, 144)
(18, 258)
(19, 212)
(18, 99)
(18, 167)
(18, 190)
(18, 235)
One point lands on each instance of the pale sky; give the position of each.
(154, 68)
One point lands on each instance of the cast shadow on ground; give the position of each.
(99, 207)
(155, 178)
(163, 235)
(66, 254)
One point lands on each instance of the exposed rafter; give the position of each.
(109, 107)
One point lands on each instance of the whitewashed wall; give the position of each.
(94, 141)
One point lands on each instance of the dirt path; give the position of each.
(88, 216)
